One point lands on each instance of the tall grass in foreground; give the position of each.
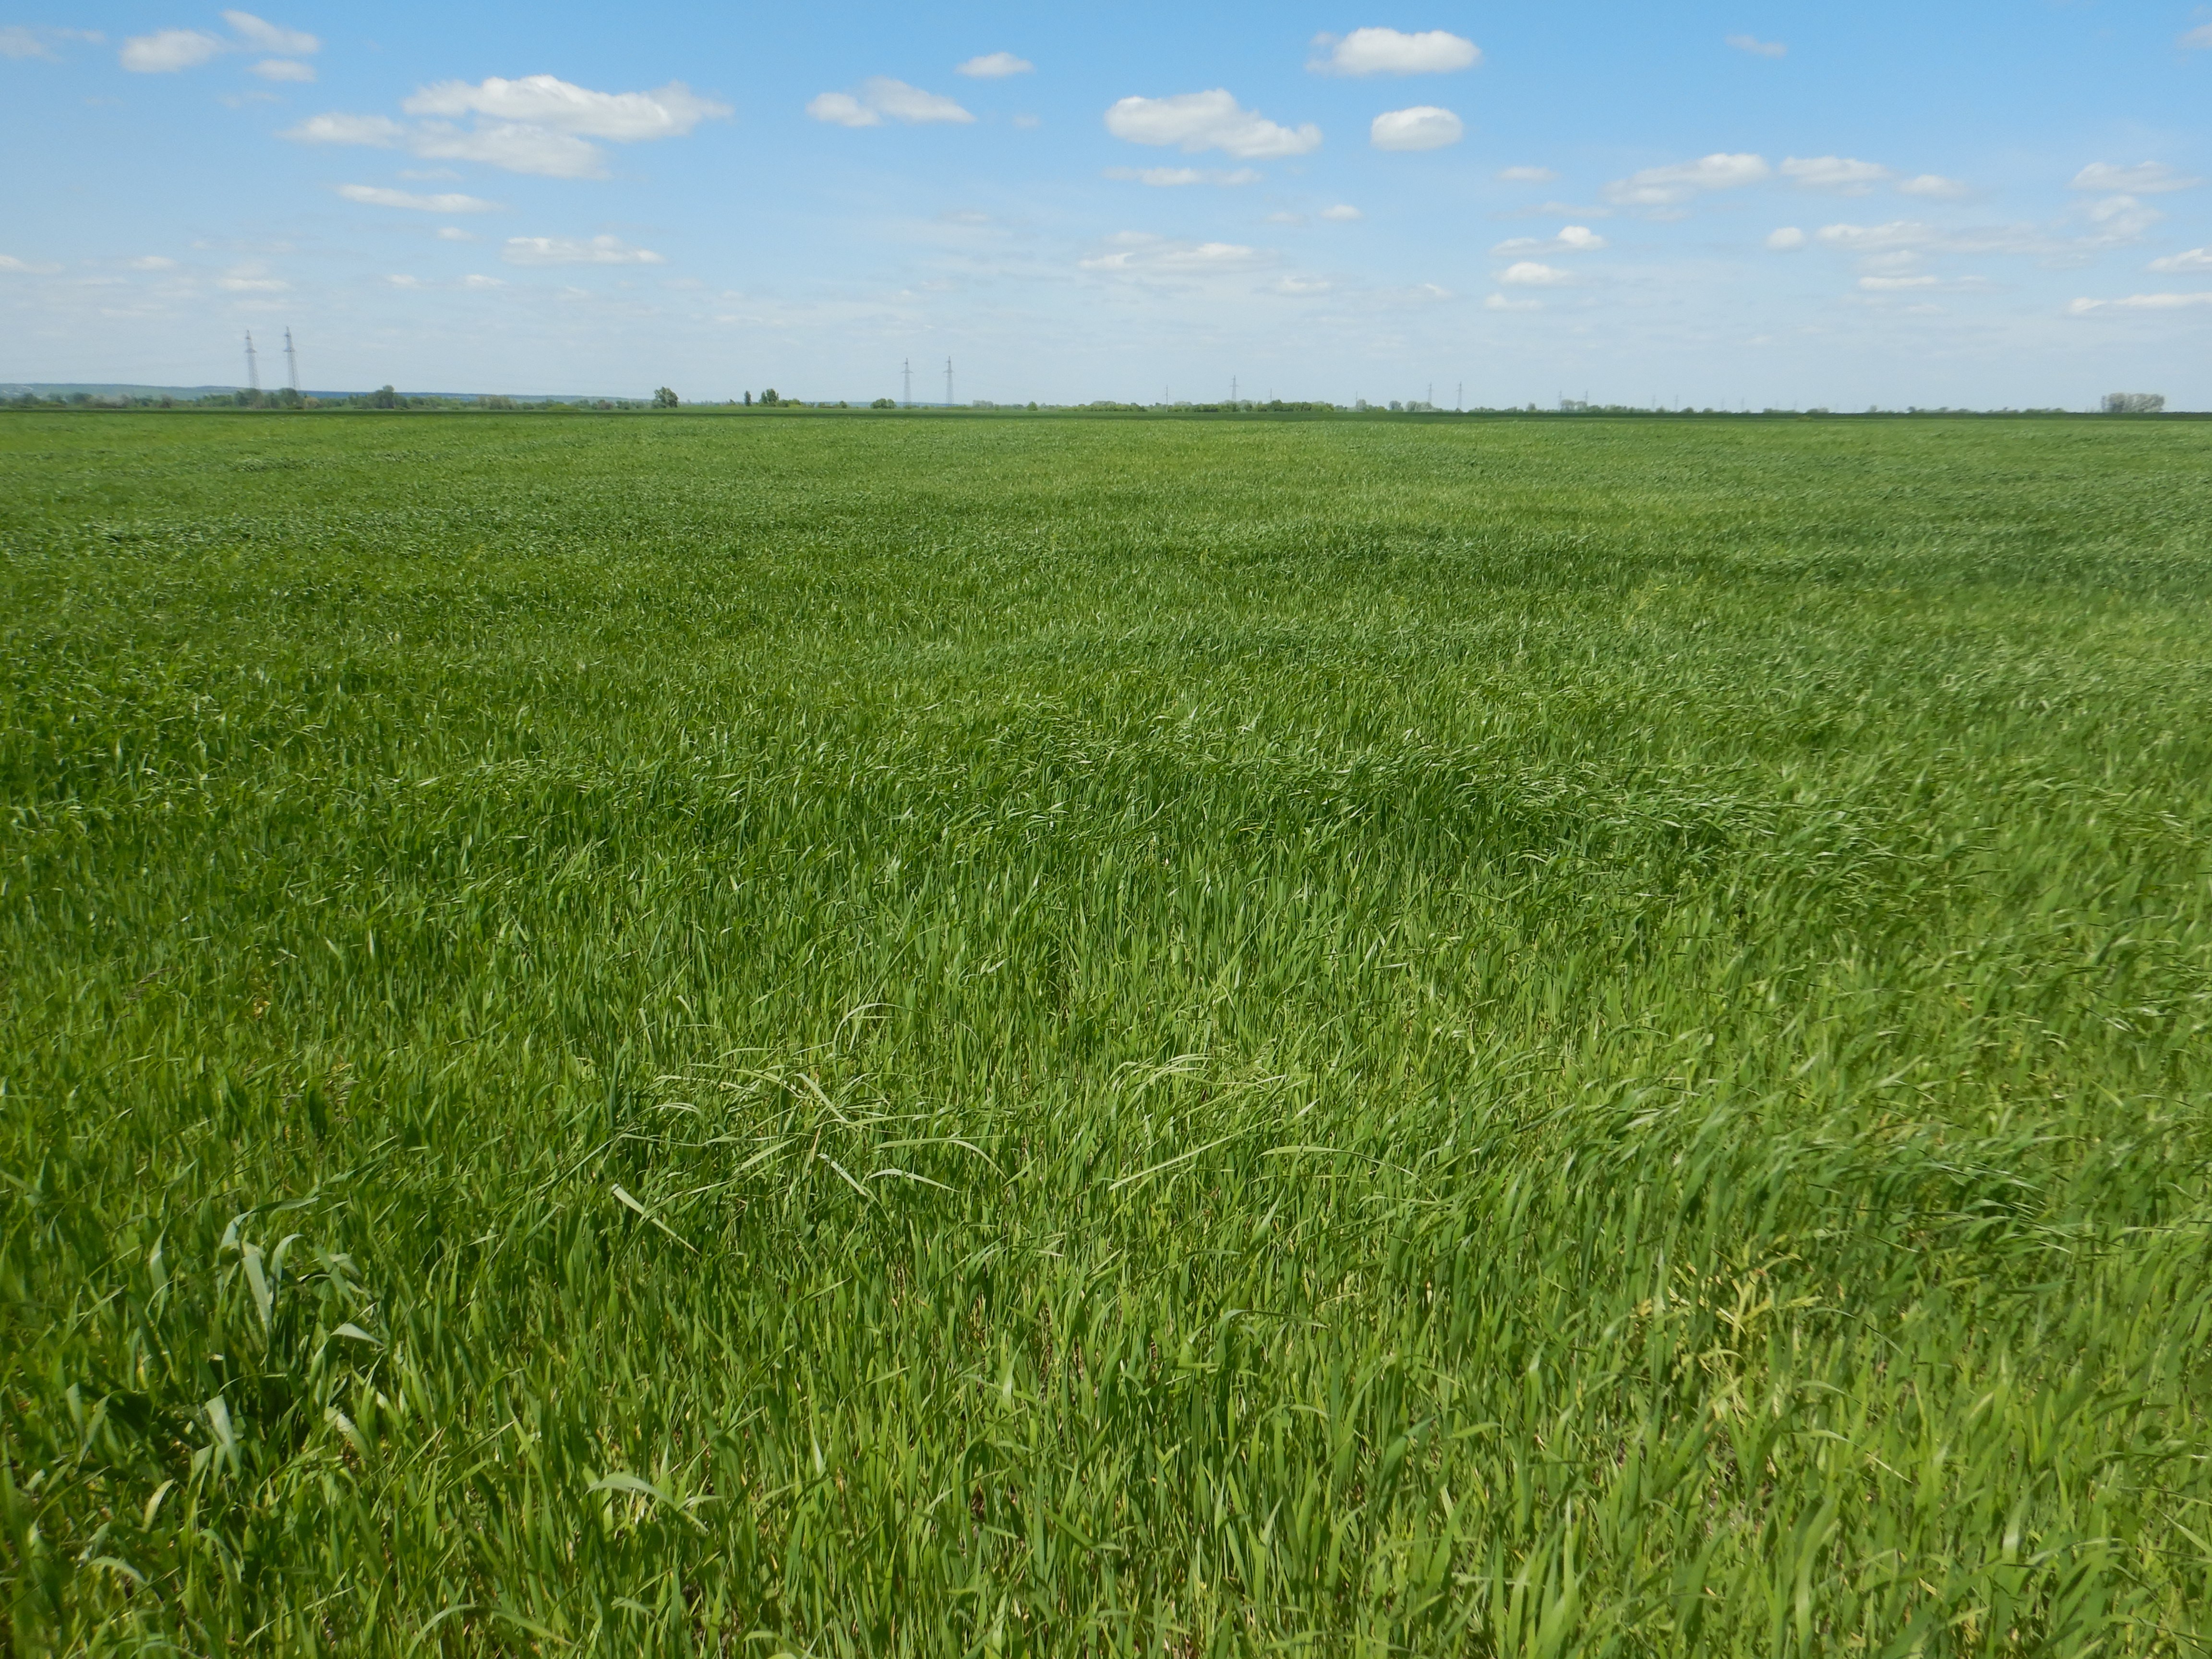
(1104, 1039)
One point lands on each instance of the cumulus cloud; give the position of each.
(1526, 176)
(1387, 51)
(19, 42)
(2116, 221)
(2121, 219)
(284, 69)
(448, 202)
(1342, 214)
(1933, 187)
(1528, 273)
(513, 147)
(880, 96)
(1757, 47)
(1835, 173)
(168, 51)
(994, 65)
(477, 284)
(251, 279)
(1422, 127)
(538, 124)
(1571, 238)
(1199, 121)
(271, 37)
(1499, 302)
(1672, 185)
(2142, 302)
(2197, 258)
(377, 131)
(1170, 178)
(1136, 255)
(1788, 239)
(544, 101)
(565, 251)
(842, 109)
(2144, 179)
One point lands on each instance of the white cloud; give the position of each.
(1424, 127)
(1896, 284)
(1208, 120)
(1342, 214)
(2121, 219)
(1287, 218)
(479, 284)
(2144, 179)
(538, 124)
(514, 146)
(448, 202)
(1670, 186)
(1170, 178)
(543, 100)
(843, 110)
(1499, 302)
(1757, 47)
(1302, 287)
(454, 234)
(252, 278)
(1135, 254)
(2141, 302)
(1835, 173)
(1028, 123)
(269, 37)
(564, 251)
(1387, 51)
(880, 96)
(2197, 39)
(168, 51)
(1788, 239)
(994, 65)
(151, 262)
(406, 282)
(9, 262)
(377, 131)
(1526, 176)
(284, 69)
(2197, 258)
(1571, 238)
(904, 103)
(1528, 273)
(1933, 187)
(16, 41)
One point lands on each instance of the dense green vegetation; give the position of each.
(890, 1036)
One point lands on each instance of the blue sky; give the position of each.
(1975, 203)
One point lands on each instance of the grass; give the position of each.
(886, 1037)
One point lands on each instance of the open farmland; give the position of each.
(886, 1035)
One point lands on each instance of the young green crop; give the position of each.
(896, 1036)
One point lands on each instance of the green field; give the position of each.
(902, 1036)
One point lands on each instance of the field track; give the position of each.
(886, 1035)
